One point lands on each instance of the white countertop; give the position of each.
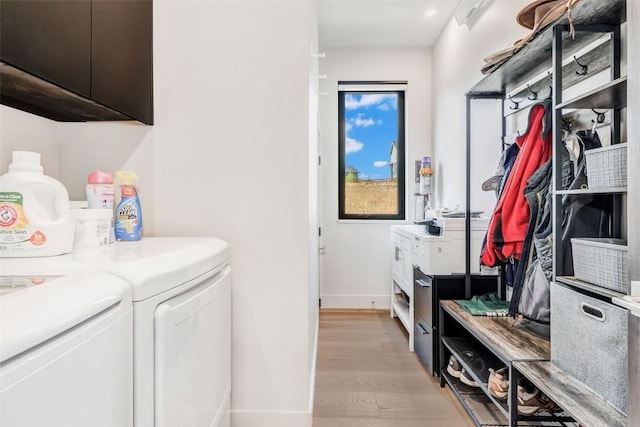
(412, 231)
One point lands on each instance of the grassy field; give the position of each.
(371, 197)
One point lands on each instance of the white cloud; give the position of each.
(363, 176)
(351, 102)
(361, 121)
(384, 107)
(352, 145)
(380, 163)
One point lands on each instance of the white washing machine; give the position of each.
(65, 350)
(181, 292)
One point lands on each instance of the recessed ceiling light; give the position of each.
(431, 12)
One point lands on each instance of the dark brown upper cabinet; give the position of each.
(78, 60)
(49, 39)
(121, 73)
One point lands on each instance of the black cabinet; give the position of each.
(50, 39)
(122, 48)
(428, 291)
(78, 60)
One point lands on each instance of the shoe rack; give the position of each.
(480, 343)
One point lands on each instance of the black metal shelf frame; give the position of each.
(473, 356)
(613, 96)
(479, 402)
(472, 400)
(467, 276)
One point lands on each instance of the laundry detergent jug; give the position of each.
(35, 213)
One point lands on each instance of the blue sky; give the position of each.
(371, 125)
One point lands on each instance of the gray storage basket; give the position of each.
(602, 262)
(607, 166)
(589, 341)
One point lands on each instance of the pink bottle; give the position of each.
(100, 195)
(100, 190)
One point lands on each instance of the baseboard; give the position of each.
(355, 301)
(282, 418)
(271, 419)
(354, 310)
(312, 377)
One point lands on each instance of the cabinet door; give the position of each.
(406, 265)
(122, 47)
(396, 258)
(50, 39)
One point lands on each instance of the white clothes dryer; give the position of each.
(65, 351)
(181, 292)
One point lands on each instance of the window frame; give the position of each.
(398, 88)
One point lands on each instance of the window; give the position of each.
(371, 160)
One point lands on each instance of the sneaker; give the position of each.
(548, 404)
(531, 400)
(528, 400)
(499, 383)
(465, 378)
(454, 368)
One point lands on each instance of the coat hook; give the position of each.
(600, 115)
(567, 125)
(583, 71)
(534, 95)
(516, 104)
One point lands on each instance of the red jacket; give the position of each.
(510, 219)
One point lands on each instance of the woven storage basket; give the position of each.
(607, 166)
(602, 262)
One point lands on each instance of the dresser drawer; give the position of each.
(423, 295)
(423, 342)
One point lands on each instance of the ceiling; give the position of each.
(381, 23)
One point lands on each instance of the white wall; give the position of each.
(356, 268)
(457, 59)
(229, 156)
(23, 131)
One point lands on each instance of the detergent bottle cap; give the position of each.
(25, 160)
(100, 177)
(126, 177)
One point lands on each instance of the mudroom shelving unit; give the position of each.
(532, 74)
(611, 96)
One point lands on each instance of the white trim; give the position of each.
(356, 301)
(247, 418)
(374, 87)
(312, 381)
(375, 221)
(240, 418)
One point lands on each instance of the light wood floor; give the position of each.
(366, 377)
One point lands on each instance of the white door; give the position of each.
(315, 194)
